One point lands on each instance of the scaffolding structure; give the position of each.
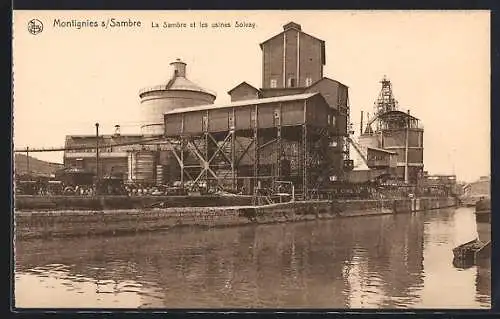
(277, 144)
(385, 101)
(397, 131)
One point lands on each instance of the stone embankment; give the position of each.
(61, 223)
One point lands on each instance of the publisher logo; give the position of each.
(35, 26)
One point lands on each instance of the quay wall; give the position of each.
(40, 224)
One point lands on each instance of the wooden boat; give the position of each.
(483, 219)
(470, 253)
(480, 248)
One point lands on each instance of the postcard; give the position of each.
(252, 159)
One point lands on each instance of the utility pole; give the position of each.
(28, 162)
(97, 157)
(406, 147)
(361, 126)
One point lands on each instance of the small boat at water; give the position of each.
(479, 248)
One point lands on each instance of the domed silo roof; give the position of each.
(178, 92)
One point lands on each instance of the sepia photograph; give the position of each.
(280, 159)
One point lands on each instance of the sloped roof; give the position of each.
(177, 83)
(381, 150)
(289, 26)
(326, 79)
(397, 113)
(244, 83)
(284, 98)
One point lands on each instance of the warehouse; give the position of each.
(255, 143)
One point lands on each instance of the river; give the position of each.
(392, 261)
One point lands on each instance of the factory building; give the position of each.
(118, 155)
(396, 133)
(255, 143)
(294, 128)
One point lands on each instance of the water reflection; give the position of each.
(369, 262)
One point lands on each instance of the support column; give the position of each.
(256, 152)
(406, 147)
(182, 161)
(279, 145)
(205, 135)
(233, 160)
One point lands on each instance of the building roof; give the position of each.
(381, 150)
(285, 98)
(296, 26)
(397, 113)
(178, 82)
(242, 84)
(326, 79)
(121, 136)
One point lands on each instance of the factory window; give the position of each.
(309, 81)
(274, 83)
(334, 119)
(291, 82)
(329, 119)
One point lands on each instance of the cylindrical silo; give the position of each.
(145, 167)
(179, 92)
(132, 162)
(160, 174)
(405, 137)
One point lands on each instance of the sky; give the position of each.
(66, 79)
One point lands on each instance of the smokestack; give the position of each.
(361, 126)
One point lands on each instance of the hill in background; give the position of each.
(36, 166)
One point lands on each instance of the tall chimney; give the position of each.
(179, 68)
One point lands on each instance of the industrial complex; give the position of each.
(296, 129)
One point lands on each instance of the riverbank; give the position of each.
(64, 223)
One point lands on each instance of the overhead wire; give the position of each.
(87, 147)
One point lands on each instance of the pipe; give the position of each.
(406, 146)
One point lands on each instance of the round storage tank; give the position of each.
(160, 175)
(179, 92)
(145, 167)
(132, 162)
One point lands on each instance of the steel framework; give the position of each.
(258, 158)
